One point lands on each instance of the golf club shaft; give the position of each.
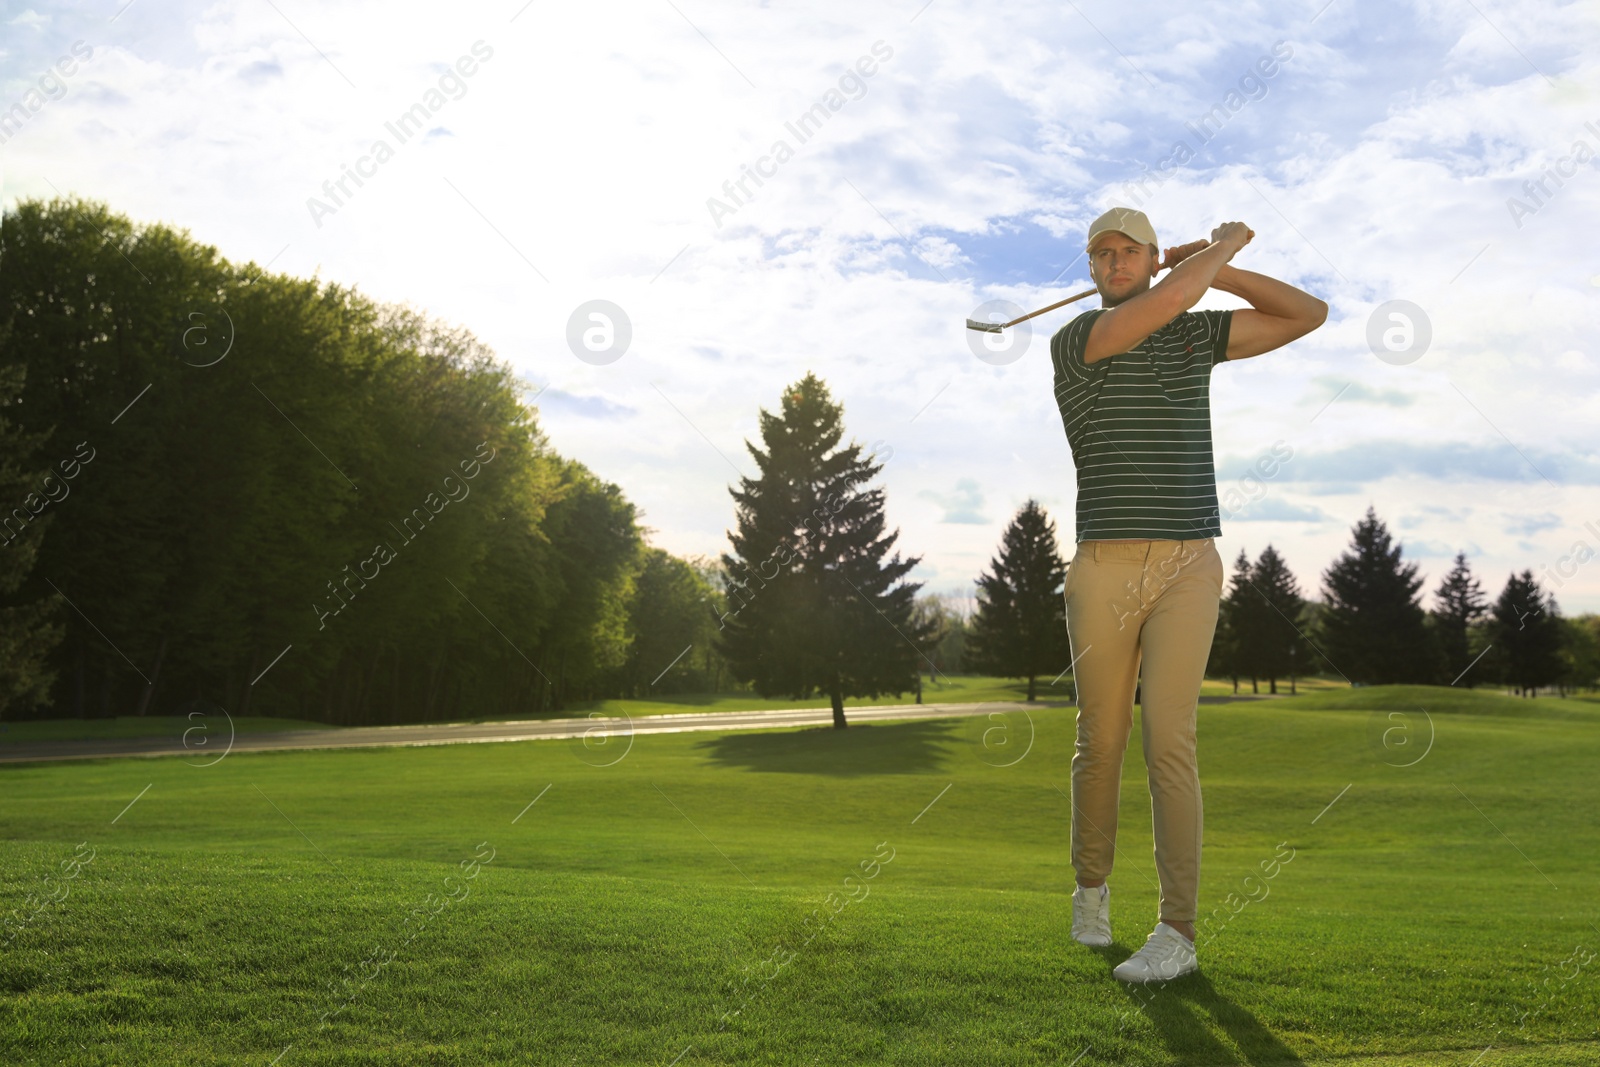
(1052, 307)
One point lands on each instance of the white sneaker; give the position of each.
(1166, 954)
(1091, 915)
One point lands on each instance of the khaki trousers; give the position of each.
(1145, 610)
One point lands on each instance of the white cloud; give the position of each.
(1375, 168)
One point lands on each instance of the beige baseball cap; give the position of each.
(1123, 220)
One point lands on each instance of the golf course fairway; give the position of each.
(888, 894)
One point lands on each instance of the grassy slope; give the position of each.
(619, 910)
(1444, 700)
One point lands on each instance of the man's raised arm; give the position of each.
(1278, 312)
(1130, 322)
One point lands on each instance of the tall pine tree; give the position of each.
(1275, 606)
(1020, 627)
(1458, 604)
(1373, 627)
(1527, 633)
(813, 606)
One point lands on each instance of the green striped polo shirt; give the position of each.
(1139, 426)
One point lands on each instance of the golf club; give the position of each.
(996, 327)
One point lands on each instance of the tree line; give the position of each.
(226, 486)
(279, 496)
(1369, 628)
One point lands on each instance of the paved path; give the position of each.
(486, 732)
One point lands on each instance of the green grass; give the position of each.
(621, 912)
(1447, 701)
(951, 689)
(1224, 686)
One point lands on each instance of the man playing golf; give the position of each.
(1132, 380)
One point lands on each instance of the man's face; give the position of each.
(1121, 267)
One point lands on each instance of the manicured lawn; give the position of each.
(1224, 686)
(949, 689)
(1426, 910)
(1442, 700)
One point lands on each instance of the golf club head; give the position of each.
(986, 327)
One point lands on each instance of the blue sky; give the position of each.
(579, 158)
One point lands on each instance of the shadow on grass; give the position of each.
(1175, 1010)
(871, 748)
